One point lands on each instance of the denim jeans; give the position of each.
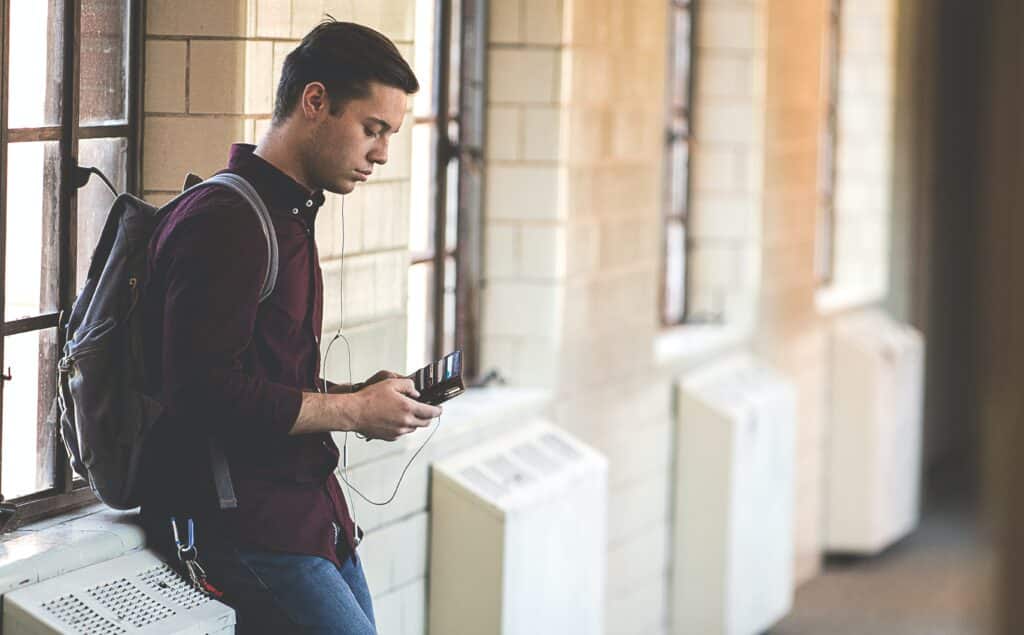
(284, 593)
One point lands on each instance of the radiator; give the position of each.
(133, 594)
(519, 537)
(874, 438)
(733, 562)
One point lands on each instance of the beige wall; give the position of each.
(572, 233)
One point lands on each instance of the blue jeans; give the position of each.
(288, 593)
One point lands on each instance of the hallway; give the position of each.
(884, 595)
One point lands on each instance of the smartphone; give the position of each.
(439, 381)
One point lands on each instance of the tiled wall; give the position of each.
(571, 233)
(211, 75)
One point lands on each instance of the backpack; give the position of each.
(105, 413)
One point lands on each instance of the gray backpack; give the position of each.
(105, 413)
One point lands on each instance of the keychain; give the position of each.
(188, 555)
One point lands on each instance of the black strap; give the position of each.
(222, 477)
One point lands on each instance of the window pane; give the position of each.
(681, 59)
(680, 173)
(421, 226)
(28, 444)
(36, 63)
(420, 325)
(675, 272)
(31, 285)
(104, 59)
(455, 60)
(110, 156)
(423, 57)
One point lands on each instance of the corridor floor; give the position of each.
(934, 582)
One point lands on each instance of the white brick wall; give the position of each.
(571, 233)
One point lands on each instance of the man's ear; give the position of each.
(314, 100)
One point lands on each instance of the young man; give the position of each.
(223, 364)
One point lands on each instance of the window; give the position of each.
(677, 177)
(446, 181)
(824, 253)
(70, 98)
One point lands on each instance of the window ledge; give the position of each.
(690, 343)
(835, 299)
(55, 546)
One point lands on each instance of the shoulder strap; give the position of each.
(245, 189)
(219, 463)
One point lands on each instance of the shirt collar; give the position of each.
(282, 193)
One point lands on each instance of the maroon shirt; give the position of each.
(222, 363)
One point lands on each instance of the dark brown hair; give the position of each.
(345, 57)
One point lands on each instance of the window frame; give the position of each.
(825, 241)
(674, 138)
(66, 493)
(466, 150)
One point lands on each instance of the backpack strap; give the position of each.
(221, 473)
(245, 189)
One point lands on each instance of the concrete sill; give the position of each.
(683, 346)
(66, 543)
(835, 299)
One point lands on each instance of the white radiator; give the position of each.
(733, 568)
(519, 537)
(133, 594)
(874, 438)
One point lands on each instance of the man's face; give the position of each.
(345, 147)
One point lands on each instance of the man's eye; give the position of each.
(371, 133)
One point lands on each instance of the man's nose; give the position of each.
(379, 152)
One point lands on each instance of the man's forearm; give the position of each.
(326, 413)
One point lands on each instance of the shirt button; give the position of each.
(295, 210)
(309, 203)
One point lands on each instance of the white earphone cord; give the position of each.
(343, 472)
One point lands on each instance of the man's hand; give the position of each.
(377, 377)
(388, 408)
(344, 389)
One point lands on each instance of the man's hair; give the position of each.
(344, 57)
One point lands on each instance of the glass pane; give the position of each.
(420, 322)
(455, 58)
(110, 156)
(36, 63)
(28, 444)
(423, 57)
(681, 58)
(421, 194)
(680, 166)
(450, 274)
(675, 272)
(31, 285)
(104, 61)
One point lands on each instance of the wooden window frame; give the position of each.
(676, 135)
(824, 250)
(466, 150)
(67, 493)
